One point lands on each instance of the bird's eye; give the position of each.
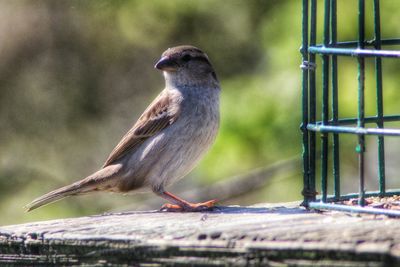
(186, 58)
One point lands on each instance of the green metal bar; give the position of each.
(325, 105)
(304, 53)
(335, 103)
(353, 52)
(352, 130)
(391, 192)
(357, 209)
(373, 119)
(312, 100)
(386, 42)
(361, 101)
(379, 99)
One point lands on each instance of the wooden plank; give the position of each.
(277, 235)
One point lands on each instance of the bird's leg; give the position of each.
(183, 205)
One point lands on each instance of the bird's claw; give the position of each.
(192, 207)
(171, 208)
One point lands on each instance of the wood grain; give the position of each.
(275, 235)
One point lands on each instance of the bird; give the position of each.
(167, 141)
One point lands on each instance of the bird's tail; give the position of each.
(96, 181)
(58, 194)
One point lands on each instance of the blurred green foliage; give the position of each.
(75, 75)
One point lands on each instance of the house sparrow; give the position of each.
(168, 139)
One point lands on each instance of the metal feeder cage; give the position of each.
(331, 127)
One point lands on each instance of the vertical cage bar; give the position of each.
(304, 52)
(312, 98)
(335, 105)
(361, 100)
(379, 99)
(325, 105)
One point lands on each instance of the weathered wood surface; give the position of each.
(274, 235)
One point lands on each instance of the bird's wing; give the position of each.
(160, 114)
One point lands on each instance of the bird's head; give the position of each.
(186, 65)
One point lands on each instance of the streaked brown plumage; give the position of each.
(168, 139)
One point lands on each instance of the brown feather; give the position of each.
(155, 118)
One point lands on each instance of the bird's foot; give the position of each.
(191, 207)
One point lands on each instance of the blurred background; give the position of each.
(75, 76)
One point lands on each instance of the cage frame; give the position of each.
(331, 125)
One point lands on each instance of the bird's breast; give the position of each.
(175, 151)
(191, 135)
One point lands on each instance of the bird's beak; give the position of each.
(166, 63)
